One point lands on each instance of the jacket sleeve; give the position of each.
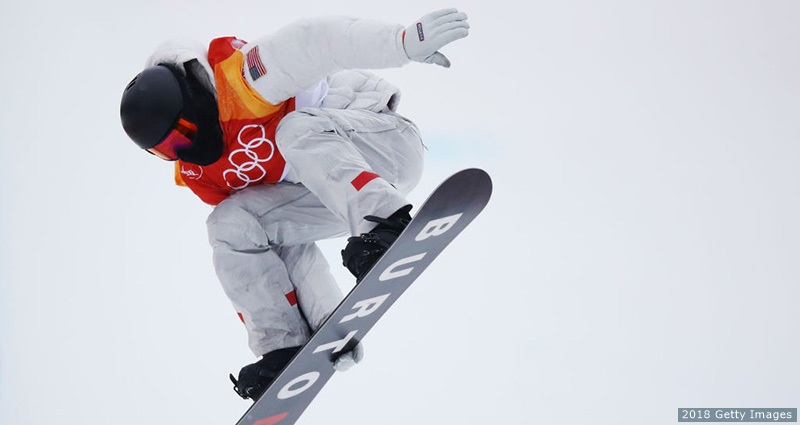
(358, 89)
(301, 54)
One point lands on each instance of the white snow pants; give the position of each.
(263, 237)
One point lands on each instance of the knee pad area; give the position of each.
(232, 227)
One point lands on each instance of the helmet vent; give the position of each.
(132, 82)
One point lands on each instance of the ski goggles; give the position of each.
(181, 136)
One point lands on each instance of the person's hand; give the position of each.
(423, 39)
(349, 359)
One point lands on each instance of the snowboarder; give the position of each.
(292, 143)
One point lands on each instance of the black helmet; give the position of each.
(159, 100)
(151, 105)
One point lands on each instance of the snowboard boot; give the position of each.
(254, 379)
(362, 252)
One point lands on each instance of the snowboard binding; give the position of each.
(363, 251)
(255, 378)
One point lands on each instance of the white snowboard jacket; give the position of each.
(318, 61)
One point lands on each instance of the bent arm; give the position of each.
(300, 55)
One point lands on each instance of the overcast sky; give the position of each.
(640, 253)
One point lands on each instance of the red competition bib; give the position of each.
(250, 155)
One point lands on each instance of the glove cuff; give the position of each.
(401, 44)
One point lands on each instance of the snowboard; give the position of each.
(446, 212)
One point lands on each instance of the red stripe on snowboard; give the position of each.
(272, 420)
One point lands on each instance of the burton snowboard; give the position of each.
(446, 212)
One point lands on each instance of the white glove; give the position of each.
(349, 359)
(424, 38)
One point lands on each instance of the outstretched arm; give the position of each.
(301, 54)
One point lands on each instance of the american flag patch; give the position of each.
(254, 64)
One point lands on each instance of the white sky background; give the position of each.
(640, 253)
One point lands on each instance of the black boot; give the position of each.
(254, 379)
(362, 252)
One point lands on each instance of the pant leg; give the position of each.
(336, 153)
(317, 292)
(288, 213)
(260, 277)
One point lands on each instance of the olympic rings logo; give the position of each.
(242, 171)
